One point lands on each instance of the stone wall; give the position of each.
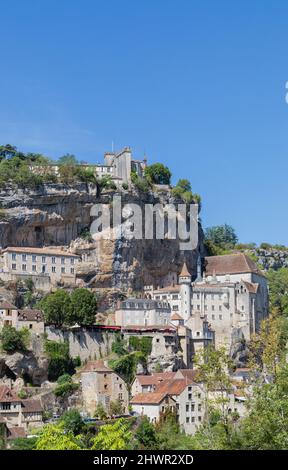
(88, 344)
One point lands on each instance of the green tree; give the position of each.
(146, 434)
(158, 174)
(83, 307)
(68, 159)
(116, 408)
(223, 236)
(55, 437)
(72, 421)
(278, 290)
(100, 412)
(60, 363)
(113, 436)
(12, 340)
(56, 307)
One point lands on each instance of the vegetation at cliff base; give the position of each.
(13, 340)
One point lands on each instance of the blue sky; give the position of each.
(197, 85)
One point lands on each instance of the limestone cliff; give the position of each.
(56, 214)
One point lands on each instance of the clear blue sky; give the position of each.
(199, 85)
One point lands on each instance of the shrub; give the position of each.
(125, 186)
(60, 362)
(13, 340)
(65, 389)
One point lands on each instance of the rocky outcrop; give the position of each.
(270, 258)
(25, 366)
(55, 214)
(238, 349)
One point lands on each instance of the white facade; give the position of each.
(142, 312)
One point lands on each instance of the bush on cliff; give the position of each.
(60, 362)
(13, 340)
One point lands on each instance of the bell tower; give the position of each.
(185, 292)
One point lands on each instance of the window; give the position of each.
(24, 257)
(43, 259)
(105, 386)
(120, 386)
(220, 317)
(34, 258)
(199, 407)
(213, 308)
(30, 326)
(14, 266)
(220, 308)
(187, 407)
(53, 269)
(14, 256)
(63, 270)
(53, 260)
(43, 269)
(120, 396)
(62, 260)
(187, 419)
(192, 419)
(213, 317)
(72, 260)
(175, 297)
(34, 268)
(192, 407)
(72, 270)
(198, 296)
(189, 389)
(24, 267)
(199, 395)
(199, 418)
(189, 396)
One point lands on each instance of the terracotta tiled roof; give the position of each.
(8, 395)
(176, 316)
(30, 315)
(190, 374)
(31, 406)
(153, 398)
(175, 387)
(150, 327)
(96, 366)
(252, 288)
(230, 264)
(16, 431)
(39, 251)
(184, 271)
(155, 379)
(7, 305)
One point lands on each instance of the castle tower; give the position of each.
(185, 292)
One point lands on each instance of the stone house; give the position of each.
(142, 312)
(152, 405)
(101, 385)
(31, 319)
(19, 412)
(149, 383)
(45, 266)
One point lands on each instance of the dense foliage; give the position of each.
(60, 362)
(14, 340)
(61, 308)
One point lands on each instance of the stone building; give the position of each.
(144, 312)
(101, 385)
(45, 266)
(117, 165)
(18, 319)
(152, 405)
(231, 294)
(18, 412)
(188, 395)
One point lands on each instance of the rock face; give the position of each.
(56, 214)
(238, 349)
(270, 259)
(25, 366)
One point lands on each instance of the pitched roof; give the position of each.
(184, 271)
(189, 374)
(39, 251)
(6, 305)
(31, 406)
(251, 287)
(152, 398)
(96, 366)
(230, 264)
(7, 394)
(174, 387)
(16, 431)
(176, 316)
(155, 379)
(30, 315)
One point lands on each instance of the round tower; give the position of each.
(185, 292)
